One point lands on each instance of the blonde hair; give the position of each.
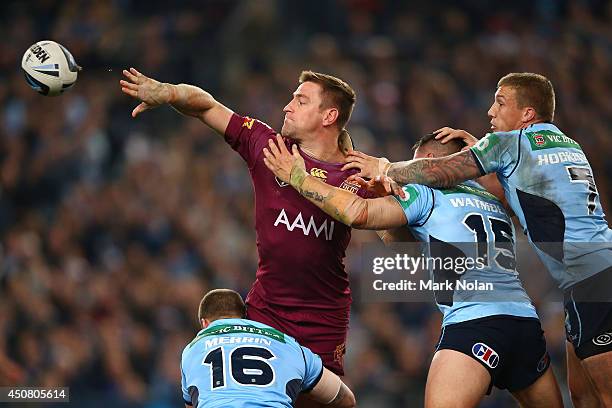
(533, 90)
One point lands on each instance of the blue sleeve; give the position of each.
(418, 203)
(314, 369)
(186, 396)
(496, 152)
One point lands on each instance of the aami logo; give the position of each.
(325, 228)
(539, 140)
(485, 354)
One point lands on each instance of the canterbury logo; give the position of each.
(248, 123)
(318, 173)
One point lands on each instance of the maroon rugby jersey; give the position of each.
(301, 249)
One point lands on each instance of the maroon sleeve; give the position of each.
(248, 137)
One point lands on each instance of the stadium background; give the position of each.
(113, 228)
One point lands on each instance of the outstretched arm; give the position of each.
(439, 172)
(186, 99)
(342, 205)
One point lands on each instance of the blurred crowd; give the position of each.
(113, 228)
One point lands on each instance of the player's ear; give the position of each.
(529, 114)
(205, 323)
(330, 116)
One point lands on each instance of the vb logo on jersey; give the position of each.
(482, 144)
(485, 354)
(539, 140)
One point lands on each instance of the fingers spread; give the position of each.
(129, 91)
(129, 85)
(352, 179)
(268, 165)
(359, 154)
(129, 75)
(440, 133)
(362, 183)
(139, 109)
(273, 148)
(281, 144)
(295, 151)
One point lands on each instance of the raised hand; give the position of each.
(379, 186)
(152, 93)
(280, 161)
(447, 134)
(368, 166)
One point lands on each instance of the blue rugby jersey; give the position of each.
(242, 363)
(550, 186)
(448, 220)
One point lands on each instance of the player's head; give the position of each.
(520, 100)
(221, 304)
(429, 147)
(320, 102)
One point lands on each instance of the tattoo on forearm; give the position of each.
(332, 200)
(440, 172)
(312, 195)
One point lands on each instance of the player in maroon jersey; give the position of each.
(301, 287)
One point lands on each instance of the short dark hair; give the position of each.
(533, 90)
(452, 146)
(335, 92)
(220, 303)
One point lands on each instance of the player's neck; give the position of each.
(324, 148)
(531, 122)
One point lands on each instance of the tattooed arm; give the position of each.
(346, 207)
(440, 172)
(342, 205)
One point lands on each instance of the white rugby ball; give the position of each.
(49, 68)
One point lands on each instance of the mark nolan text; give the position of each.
(407, 285)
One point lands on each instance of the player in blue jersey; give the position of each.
(236, 362)
(550, 186)
(492, 339)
